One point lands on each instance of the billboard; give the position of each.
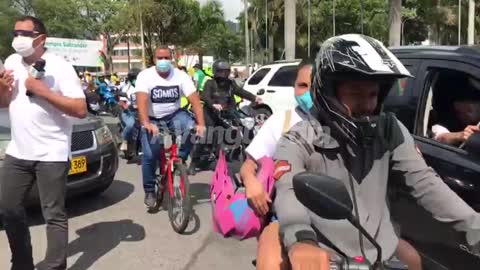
(84, 53)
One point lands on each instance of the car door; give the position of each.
(279, 92)
(439, 244)
(258, 80)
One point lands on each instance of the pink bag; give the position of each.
(231, 214)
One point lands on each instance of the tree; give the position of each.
(395, 19)
(7, 13)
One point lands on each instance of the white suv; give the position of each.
(274, 84)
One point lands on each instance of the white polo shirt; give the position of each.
(265, 142)
(41, 132)
(164, 93)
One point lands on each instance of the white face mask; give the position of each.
(23, 45)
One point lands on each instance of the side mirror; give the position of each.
(324, 195)
(472, 145)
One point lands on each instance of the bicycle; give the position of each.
(173, 181)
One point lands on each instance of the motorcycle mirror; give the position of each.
(324, 195)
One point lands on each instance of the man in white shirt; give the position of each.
(39, 151)
(158, 90)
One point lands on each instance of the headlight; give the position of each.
(248, 122)
(104, 136)
(3, 148)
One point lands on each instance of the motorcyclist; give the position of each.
(348, 137)
(219, 93)
(128, 102)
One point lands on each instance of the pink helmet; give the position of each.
(231, 213)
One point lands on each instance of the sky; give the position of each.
(231, 8)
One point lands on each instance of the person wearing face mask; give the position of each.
(41, 112)
(158, 93)
(348, 137)
(269, 249)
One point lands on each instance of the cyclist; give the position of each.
(347, 136)
(158, 92)
(128, 102)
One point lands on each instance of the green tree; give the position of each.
(7, 13)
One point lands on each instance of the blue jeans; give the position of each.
(181, 123)
(128, 119)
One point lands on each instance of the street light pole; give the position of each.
(361, 16)
(141, 37)
(333, 17)
(247, 37)
(309, 25)
(459, 22)
(266, 30)
(471, 22)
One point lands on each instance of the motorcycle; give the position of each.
(234, 131)
(134, 145)
(328, 198)
(110, 101)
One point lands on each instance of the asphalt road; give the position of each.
(114, 231)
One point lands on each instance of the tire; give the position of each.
(180, 171)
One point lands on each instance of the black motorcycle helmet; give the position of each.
(221, 69)
(132, 75)
(352, 57)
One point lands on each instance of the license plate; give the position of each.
(78, 165)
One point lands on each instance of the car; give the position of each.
(274, 84)
(419, 103)
(94, 156)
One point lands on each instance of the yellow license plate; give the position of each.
(78, 165)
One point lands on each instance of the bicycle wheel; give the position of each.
(179, 205)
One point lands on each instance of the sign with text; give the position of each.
(84, 53)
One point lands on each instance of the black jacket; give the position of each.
(224, 93)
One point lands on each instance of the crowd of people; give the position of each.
(339, 107)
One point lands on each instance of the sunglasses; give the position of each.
(164, 58)
(26, 33)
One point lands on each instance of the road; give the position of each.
(114, 231)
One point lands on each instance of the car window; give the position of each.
(401, 85)
(258, 76)
(452, 103)
(285, 76)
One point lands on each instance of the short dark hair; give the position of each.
(165, 47)
(305, 62)
(38, 25)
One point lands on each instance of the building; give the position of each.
(121, 54)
